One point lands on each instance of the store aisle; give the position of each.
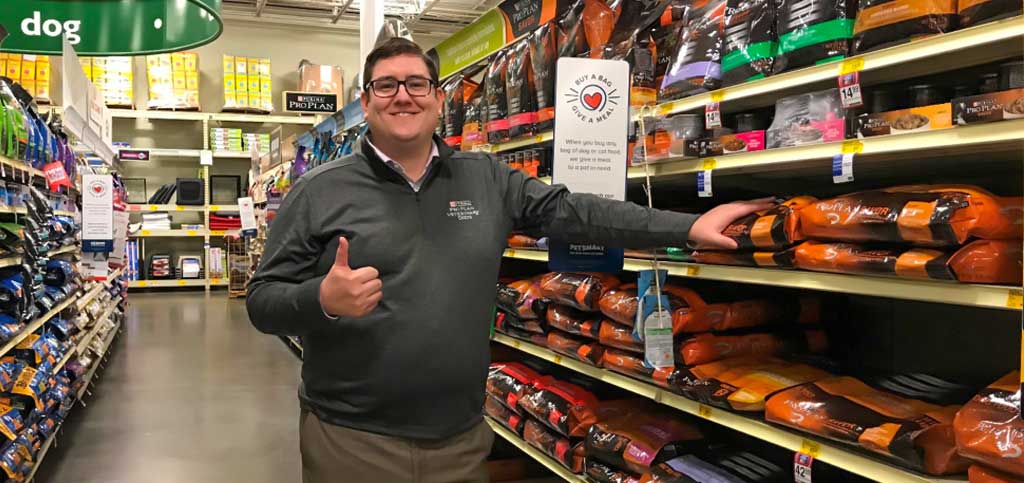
(192, 393)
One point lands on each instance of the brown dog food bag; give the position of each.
(883, 23)
(508, 382)
(544, 55)
(981, 474)
(575, 347)
(774, 228)
(599, 19)
(989, 429)
(743, 383)
(913, 433)
(576, 322)
(496, 99)
(620, 337)
(620, 304)
(556, 446)
(745, 313)
(632, 364)
(522, 298)
(572, 39)
(601, 473)
(562, 406)
(502, 414)
(522, 93)
(705, 348)
(777, 259)
(637, 440)
(578, 290)
(974, 12)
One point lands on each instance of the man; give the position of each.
(385, 262)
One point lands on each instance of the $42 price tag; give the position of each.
(802, 467)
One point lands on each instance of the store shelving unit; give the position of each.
(19, 166)
(168, 233)
(972, 295)
(534, 453)
(210, 116)
(64, 250)
(828, 452)
(199, 282)
(541, 138)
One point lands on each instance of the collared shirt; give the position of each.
(415, 185)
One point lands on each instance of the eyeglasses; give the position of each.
(388, 86)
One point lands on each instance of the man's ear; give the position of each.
(364, 100)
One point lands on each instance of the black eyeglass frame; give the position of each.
(401, 84)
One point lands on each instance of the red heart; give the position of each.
(593, 100)
(97, 189)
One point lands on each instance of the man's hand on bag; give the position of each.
(349, 292)
(706, 232)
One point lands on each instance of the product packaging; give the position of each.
(750, 44)
(883, 23)
(705, 348)
(817, 117)
(572, 38)
(633, 365)
(642, 57)
(508, 382)
(703, 317)
(453, 110)
(925, 215)
(544, 55)
(743, 383)
(169, 75)
(732, 143)
(321, 78)
(495, 92)
(697, 65)
(719, 466)
(504, 321)
(927, 118)
(813, 32)
(677, 136)
(523, 298)
(910, 432)
(578, 348)
(566, 408)
(473, 121)
(560, 448)
(601, 473)
(666, 42)
(777, 259)
(620, 337)
(639, 439)
(522, 94)
(599, 19)
(974, 12)
(502, 414)
(989, 107)
(578, 290)
(572, 321)
(989, 429)
(981, 474)
(774, 228)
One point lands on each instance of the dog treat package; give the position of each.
(504, 321)
(496, 98)
(779, 259)
(638, 440)
(769, 229)
(572, 38)
(705, 348)
(743, 383)
(697, 66)
(981, 474)
(620, 337)
(912, 433)
(563, 406)
(577, 290)
(750, 44)
(813, 32)
(575, 347)
(523, 298)
(981, 261)
(502, 414)
(522, 94)
(556, 446)
(905, 121)
(974, 12)
(883, 23)
(544, 55)
(816, 117)
(473, 121)
(572, 321)
(599, 19)
(454, 110)
(989, 429)
(702, 317)
(741, 467)
(508, 382)
(598, 472)
(924, 215)
(520, 240)
(632, 364)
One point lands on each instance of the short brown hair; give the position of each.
(393, 48)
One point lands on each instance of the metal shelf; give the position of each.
(63, 250)
(209, 116)
(937, 53)
(233, 154)
(225, 232)
(84, 343)
(1006, 134)
(63, 213)
(825, 451)
(10, 261)
(141, 208)
(219, 282)
(19, 166)
(523, 143)
(13, 210)
(973, 295)
(534, 453)
(36, 324)
(168, 233)
(200, 282)
(223, 207)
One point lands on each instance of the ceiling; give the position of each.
(424, 17)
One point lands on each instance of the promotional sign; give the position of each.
(97, 213)
(471, 44)
(523, 16)
(313, 102)
(56, 176)
(133, 154)
(592, 109)
(247, 212)
(117, 255)
(110, 27)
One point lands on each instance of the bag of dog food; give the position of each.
(810, 118)
(743, 383)
(599, 19)
(572, 321)
(505, 321)
(544, 55)
(910, 432)
(577, 290)
(508, 382)
(556, 446)
(883, 23)
(778, 259)
(705, 348)
(579, 349)
(774, 228)
(522, 94)
(572, 38)
(454, 110)
(619, 337)
(620, 304)
(813, 32)
(11, 423)
(719, 467)
(502, 414)
(523, 298)
(704, 317)
(496, 99)
(697, 65)
(633, 365)
(974, 12)
(989, 429)
(601, 473)
(981, 474)
(563, 406)
(666, 41)
(925, 215)
(639, 440)
(473, 121)
(750, 44)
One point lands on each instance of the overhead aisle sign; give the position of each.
(592, 108)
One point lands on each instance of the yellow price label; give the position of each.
(146, 233)
(709, 163)
(692, 271)
(1015, 300)
(181, 282)
(152, 207)
(191, 233)
(850, 66)
(510, 253)
(557, 359)
(666, 109)
(852, 146)
(718, 96)
(215, 281)
(704, 411)
(217, 232)
(810, 448)
(539, 138)
(214, 207)
(515, 343)
(143, 283)
(179, 208)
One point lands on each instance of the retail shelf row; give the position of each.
(199, 208)
(182, 233)
(825, 451)
(210, 116)
(95, 291)
(37, 323)
(63, 250)
(22, 211)
(194, 153)
(974, 295)
(534, 453)
(199, 282)
(10, 261)
(19, 166)
(84, 343)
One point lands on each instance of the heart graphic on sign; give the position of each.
(593, 100)
(97, 189)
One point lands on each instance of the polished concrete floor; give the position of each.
(192, 393)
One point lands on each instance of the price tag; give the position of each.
(179, 208)
(515, 343)
(510, 253)
(850, 66)
(215, 281)
(853, 146)
(810, 448)
(146, 233)
(802, 464)
(191, 233)
(842, 168)
(704, 411)
(666, 109)
(718, 96)
(692, 271)
(709, 164)
(217, 233)
(539, 138)
(214, 207)
(849, 90)
(704, 184)
(557, 359)
(712, 116)
(1015, 299)
(181, 282)
(143, 283)
(152, 207)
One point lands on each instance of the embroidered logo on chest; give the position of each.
(462, 210)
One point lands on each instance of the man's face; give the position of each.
(402, 117)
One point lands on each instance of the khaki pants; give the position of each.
(335, 454)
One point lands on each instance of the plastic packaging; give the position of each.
(774, 228)
(989, 428)
(504, 321)
(638, 440)
(508, 382)
(564, 407)
(701, 317)
(561, 449)
(883, 23)
(718, 467)
(544, 54)
(578, 290)
(750, 44)
(743, 383)
(575, 347)
(910, 432)
(454, 110)
(620, 304)
(925, 215)
(599, 19)
(601, 473)
(572, 39)
(816, 117)
(523, 298)
(813, 32)
(620, 337)
(779, 259)
(496, 99)
(633, 365)
(974, 12)
(502, 414)
(522, 94)
(697, 64)
(705, 348)
(473, 121)
(572, 321)
(981, 474)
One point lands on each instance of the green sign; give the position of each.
(109, 27)
(469, 45)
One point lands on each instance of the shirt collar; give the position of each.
(394, 165)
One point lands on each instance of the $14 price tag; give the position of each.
(849, 90)
(712, 116)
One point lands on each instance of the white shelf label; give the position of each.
(704, 184)
(842, 168)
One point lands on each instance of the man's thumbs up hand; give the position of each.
(346, 292)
